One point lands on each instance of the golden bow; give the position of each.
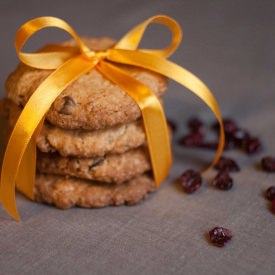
(71, 63)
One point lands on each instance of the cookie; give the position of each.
(110, 169)
(5, 105)
(91, 102)
(5, 129)
(68, 192)
(83, 143)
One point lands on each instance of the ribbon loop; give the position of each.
(51, 59)
(132, 39)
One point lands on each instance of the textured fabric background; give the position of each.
(229, 45)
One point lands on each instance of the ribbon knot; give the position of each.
(95, 55)
(70, 63)
(100, 55)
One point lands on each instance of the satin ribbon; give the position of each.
(70, 63)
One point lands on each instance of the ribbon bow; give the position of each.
(70, 63)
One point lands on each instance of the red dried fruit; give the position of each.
(270, 193)
(240, 137)
(220, 235)
(230, 126)
(268, 164)
(192, 139)
(172, 124)
(252, 145)
(223, 181)
(190, 181)
(195, 124)
(227, 164)
(273, 206)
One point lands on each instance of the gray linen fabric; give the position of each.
(230, 45)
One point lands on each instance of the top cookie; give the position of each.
(91, 102)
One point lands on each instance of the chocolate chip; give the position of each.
(97, 162)
(190, 181)
(67, 107)
(219, 236)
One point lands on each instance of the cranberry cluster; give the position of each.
(196, 138)
(191, 180)
(235, 137)
(223, 181)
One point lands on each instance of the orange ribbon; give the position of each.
(70, 63)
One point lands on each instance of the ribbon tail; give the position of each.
(25, 180)
(21, 147)
(182, 76)
(153, 117)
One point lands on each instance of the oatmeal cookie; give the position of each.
(68, 192)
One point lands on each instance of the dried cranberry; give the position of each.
(172, 124)
(190, 181)
(195, 125)
(229, 125)
(252, 145)
(191, 140)
(270, 193)
(220, 235)
(227, 164)
(273, 206)
(223, 181)
(240, 137)
(268, 164)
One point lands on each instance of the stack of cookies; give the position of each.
(92, 148)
